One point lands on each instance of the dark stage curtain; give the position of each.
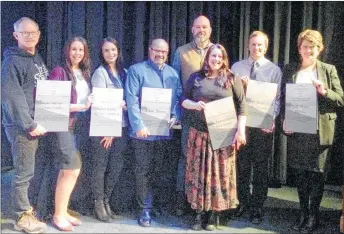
(133, 24)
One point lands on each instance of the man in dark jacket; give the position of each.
(21, 69)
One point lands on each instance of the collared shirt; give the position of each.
(266, 72)
(148, 74)
(201, 51)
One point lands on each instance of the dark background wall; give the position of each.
(134, 23)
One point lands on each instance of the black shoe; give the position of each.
(213, 221)
(300, 223)
(311, 225)
(256, 216)
(197, 226)
(240, 211)
(108, 209)
(100, 212)
(145, 219)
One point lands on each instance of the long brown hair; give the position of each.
(85, 64)
(226, 77)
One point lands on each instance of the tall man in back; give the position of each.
(254, 156)
(188, 59)
(21, 69)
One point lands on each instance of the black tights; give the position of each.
(310, 188)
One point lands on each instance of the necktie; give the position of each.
(253, 71)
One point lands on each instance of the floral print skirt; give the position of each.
(210, 177)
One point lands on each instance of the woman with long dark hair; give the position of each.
(210, 178)
(108, 157)
(77, 70)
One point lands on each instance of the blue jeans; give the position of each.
(23, 149)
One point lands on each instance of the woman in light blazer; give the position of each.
(109, 152)
(309, 154)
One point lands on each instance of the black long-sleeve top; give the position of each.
(200, 88)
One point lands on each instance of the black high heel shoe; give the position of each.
(311, 225)
(145, 219)
(213, 221)
(301, 222)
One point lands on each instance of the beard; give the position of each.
(159, 57)
(200, 38)
(159, 60)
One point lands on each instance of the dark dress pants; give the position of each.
(154, 172)
(253, 157)
(107, 165)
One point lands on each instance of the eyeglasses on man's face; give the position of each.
(27, 34)
(164, 52)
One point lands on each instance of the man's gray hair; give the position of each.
(18, 22)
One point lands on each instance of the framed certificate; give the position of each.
(301, 108)
(260, 100)
(156, 110)
(52, 104)
(221, 121)
(106, 112)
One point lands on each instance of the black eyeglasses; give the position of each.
(159, 51)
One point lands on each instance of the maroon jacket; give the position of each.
(59, 73)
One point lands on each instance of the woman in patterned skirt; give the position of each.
(210, 178)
